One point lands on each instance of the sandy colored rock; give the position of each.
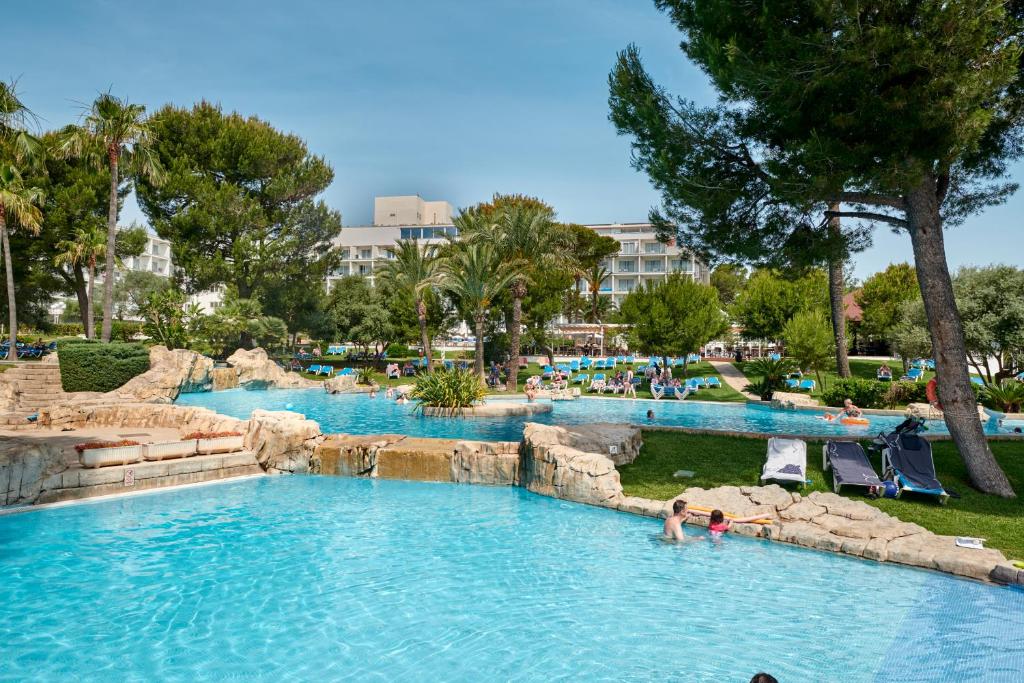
(341, 384)
(802, 511)
(170, 373)
(844, 507)
(553, 462)
(488, 463)
(283, 441)
(642, 506)
(620, 443)
(255, 367)
(492, 409)
(772, 495)
(788, 397)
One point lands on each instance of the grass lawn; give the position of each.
(859, 368)
(702, 369)
(726, 460)
(4, 368)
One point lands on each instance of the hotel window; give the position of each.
(627, 284)
(627, 265)
(364, 269)
(654, 248)
(654, 267)
(606, 285)
(366, 253)
(629, 248)
(341, 271)
(345, 254)
(682, 265)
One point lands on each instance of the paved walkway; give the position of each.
(734, 378)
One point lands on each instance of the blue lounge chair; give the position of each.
(883, 376)
(630, 359)
(598, 377)
(693, 384)
(775, 356)
(585, 362)
(313, 369)
(547, 372)
(693, 358)
(713, 382)
(449, 365)
(907, 460)
(620, 359)
(326, 370)
(609, 362)
(915, 374)
(574, 366)
(977, 380)
(581, 378)
(346, 371)
(808, 384)
(792, 384)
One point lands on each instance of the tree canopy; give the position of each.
(991, 302)
(239, 202)
(768, 301)
(673, 318)
(882, 297)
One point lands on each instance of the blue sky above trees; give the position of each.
(452, 99)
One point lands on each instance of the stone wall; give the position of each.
(577, 463)
(394, 456)
(25, 466)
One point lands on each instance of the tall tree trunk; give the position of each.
(82, 293)
(108, 280)
(87, 313)
(518, 292)
(835, 295)
(12, 313)
(595, 292)
(421, 315)
(478, 360)
(954, 386)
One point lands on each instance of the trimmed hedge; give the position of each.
(89, 365)
(865, 393)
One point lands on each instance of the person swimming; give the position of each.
(650, 415)
(674, 523)
(718, 525)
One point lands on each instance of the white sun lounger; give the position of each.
(787, 461)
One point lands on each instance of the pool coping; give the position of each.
(31, 507)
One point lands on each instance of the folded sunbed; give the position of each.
(907, 460)
(787, 461)
(849, 464)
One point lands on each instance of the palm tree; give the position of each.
(18, 204)
(523, 232)
(125, 134)
(88, 245)
(595, 276)
(475, 274)
(414, 271)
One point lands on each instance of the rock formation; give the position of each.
(255, 366)
(169, 373)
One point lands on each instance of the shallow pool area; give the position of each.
(360, 414)
(324, 578)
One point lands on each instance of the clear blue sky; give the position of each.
(451, 99)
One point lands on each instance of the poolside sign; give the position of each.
(129, 476)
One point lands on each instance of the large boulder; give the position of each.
(255, 366)
(283, 441)
(27, 466)
(170, 373)
(576, 463)
(342, 384)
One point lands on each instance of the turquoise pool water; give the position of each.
(359, 414)
(324, 578)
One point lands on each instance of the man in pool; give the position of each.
(673, 528)
(849, 410)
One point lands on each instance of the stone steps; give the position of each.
(34, 387)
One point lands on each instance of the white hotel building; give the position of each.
(642, 258)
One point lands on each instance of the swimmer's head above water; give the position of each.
(679, 507)
(650, 414)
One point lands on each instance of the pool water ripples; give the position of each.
(326, 578)
(360, 414)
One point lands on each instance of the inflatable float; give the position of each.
(931, 390)
(852, 421)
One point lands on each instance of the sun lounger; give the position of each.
(657, 391)
(326, 370)
(849, 464)
(792, 384)
(574, 366)
(547, 372)
(597, 384)
(581, 378)
(883, 376)
(914, 374)
(346, 371)
(907, 460)
(808, 384)
(977, 380)
(682, 393)
(775, 356)
(693, 358)
(786, 461)
(713, 382)
(313, 369)
(693, 385)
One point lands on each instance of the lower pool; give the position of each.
(360, 414)
(324, 578)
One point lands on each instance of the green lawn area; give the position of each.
(727, 460)
(702, 369)
(859, 368)
(4, 368)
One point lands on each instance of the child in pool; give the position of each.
(719, 525)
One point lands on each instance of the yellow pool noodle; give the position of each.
(728, 515)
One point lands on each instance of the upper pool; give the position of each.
(359, 414)
(323, 578)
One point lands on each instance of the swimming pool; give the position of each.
(324, 578)
(359, 414)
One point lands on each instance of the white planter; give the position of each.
(170, 449)
(224, 444)
(118, 455)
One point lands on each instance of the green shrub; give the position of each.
(67, 329)
(902, 393)
(88, 365)
(399, 351)
(1006, 397)
(865, 393)
(364, 375)
(451, 389)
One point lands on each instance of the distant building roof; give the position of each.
(854, 313)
